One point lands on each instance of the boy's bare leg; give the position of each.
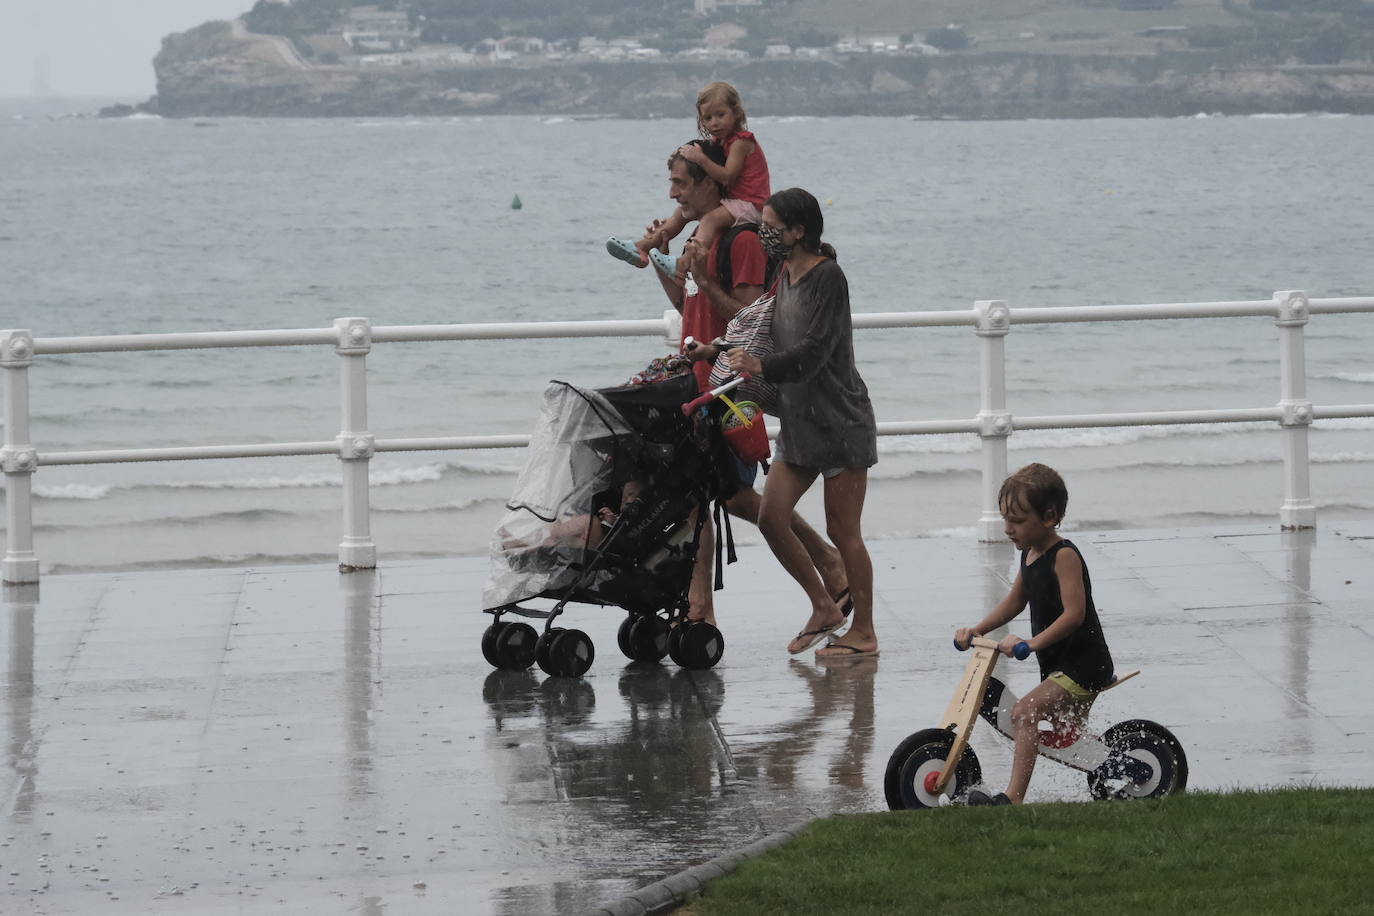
(1047, 701)
(661, 233)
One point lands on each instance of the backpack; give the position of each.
(724, 275)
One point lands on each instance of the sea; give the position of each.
(143, 225)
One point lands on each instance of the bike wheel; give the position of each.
(908, 782)
(648, 638)
(514, 646)
(1146, 761)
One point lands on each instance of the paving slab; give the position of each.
(293, 739)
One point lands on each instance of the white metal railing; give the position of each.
(355, 445)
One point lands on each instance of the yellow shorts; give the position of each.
(1074, 688)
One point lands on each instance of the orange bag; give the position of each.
(744, 431)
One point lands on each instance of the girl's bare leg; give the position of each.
(708, 228)
(666, 231)
(844, 505)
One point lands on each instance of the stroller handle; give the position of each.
(1021, 651)
(714, 393)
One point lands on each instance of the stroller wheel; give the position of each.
(489, 642)
(648, 638)
(541, 648)
(622, 636)
(514, 646)
(698, 645)
(569, 654)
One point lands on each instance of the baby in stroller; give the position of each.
(602, 513)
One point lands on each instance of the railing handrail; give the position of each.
(355, 445)
(649, 327)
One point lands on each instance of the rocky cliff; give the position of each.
(219, 69)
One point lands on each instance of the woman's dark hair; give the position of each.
(796, 207)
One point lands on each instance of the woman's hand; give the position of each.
(741, 361)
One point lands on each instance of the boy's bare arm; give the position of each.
(1005, 611)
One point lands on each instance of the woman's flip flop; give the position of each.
(625, 251)
(844, 652)
(810, 637)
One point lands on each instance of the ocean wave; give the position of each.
(1349, 376)
(454, 505)
(71, 491)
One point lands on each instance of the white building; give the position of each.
(369, 29)
(706, 7)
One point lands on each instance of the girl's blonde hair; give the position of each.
(720, 91)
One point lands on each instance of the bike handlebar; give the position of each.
(1020, 652)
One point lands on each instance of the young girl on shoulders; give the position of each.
(721, 119)
(1065, 633)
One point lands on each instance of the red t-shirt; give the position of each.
(699, 320)
(752, 183)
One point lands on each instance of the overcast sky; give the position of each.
(94, 47)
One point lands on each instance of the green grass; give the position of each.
(1282, 852)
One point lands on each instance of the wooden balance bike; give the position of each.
(1132, 759)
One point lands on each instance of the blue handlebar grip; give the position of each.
(1022, 651)
(959, 647)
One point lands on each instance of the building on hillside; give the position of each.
(724, 35)
(369, 29)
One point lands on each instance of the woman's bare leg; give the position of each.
(844, 505)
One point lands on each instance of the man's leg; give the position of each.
(701, 595)
(785, 486)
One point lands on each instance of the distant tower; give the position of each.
(41, 87)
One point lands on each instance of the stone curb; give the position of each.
(674, 890)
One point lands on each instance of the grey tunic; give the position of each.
(827, 418)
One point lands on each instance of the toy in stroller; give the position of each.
(602, 514)
(1132, 759)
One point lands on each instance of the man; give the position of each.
(706, 306)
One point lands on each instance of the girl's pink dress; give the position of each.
(747, 194)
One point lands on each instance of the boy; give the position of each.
(1065, 633)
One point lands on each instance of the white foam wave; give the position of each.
(71, 491)
(1350, 376)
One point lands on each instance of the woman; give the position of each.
(827, 420)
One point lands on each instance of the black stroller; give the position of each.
(602, 514)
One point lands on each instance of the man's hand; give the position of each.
(694, 255)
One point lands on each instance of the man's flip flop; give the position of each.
(846, 653)
(811, 637)
(625, 251)
(666, 263)
(845, 602)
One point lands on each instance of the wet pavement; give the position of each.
(281, 740)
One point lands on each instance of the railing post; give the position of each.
(672, 323)
(1297, 510)
(18, 459)
(356, 444)
(995, 424)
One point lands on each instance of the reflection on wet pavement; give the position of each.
(293, 740)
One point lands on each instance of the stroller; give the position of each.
(602, 514)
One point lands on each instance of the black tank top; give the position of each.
(1083, 654)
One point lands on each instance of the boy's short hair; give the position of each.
(1039, 488)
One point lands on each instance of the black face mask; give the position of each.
(770, 238)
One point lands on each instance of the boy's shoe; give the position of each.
(979, 797)
(666, 263)
(625, 251)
